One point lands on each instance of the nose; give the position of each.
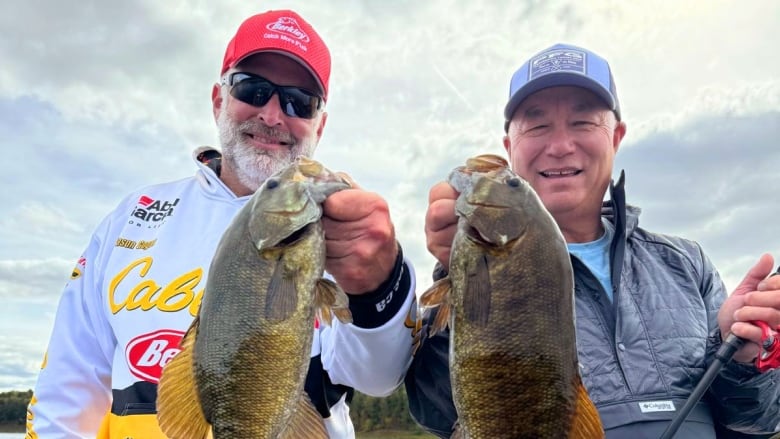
(271, 113)
(561, 142)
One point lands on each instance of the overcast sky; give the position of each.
(101, 98)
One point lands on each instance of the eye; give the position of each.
(513, 182)
(272, 183)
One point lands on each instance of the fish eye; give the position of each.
(272, 183)
(513, 182)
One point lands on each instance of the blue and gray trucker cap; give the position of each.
(561, 65)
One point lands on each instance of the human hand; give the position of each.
(441, 221)
(359, 239)
(756, 298)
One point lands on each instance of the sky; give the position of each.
(99, 100)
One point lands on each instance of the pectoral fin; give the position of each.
(331, 300)
(282, 297)
(476, 294)
(178, 406)
(438, 295)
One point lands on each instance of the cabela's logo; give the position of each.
(149, 210)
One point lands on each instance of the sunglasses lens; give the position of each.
(257, 91)
(254, 92)
(298, 103)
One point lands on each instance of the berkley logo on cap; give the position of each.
(288, 26)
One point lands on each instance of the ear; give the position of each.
(617, 135)
(216, 101)
(321, 127)
(508, 147)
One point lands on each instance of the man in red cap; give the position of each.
(139, 282)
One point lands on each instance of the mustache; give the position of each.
(257, 127)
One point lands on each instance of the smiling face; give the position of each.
(563, 141)
(259, 141)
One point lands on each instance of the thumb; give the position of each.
(755, 275)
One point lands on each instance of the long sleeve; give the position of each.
(372, 353)
(73, 391)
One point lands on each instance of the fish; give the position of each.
(243, 360)
(508, 302)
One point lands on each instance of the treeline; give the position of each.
(13, 407)
(368, 414)
(390, 413)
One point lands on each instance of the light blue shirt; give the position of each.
(595, 256)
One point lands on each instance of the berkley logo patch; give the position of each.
(147, 354)
(151, 210)
(288, 26)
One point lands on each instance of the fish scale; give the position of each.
(244, 359)
(508, 300)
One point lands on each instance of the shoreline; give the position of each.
(11, 428)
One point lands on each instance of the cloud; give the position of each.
(713, 179)
(19, 363)
(99, 100)
(34, 280)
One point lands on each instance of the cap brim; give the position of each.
(560, 79)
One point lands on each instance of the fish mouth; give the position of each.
(496, 242)
(295, 236)
(287, 241)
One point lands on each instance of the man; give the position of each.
(651, 310)
(137, 286)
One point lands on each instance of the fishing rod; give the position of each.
(769, 358)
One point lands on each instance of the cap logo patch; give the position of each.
(288, 26)
(563, 60)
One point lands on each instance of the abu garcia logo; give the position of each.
(151, 212)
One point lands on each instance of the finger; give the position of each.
(353, 205)
(770, 283)
(768, 314)
(755, 275)
(440, 215)
(752, 335)
(442, 190)
(764, 299)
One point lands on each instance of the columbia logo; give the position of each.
(656, 406)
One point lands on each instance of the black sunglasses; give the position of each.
(257, 91)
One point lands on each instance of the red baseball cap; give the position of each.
(285, 32)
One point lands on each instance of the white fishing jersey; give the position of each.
(134, 292)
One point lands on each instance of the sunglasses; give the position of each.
(257, 91)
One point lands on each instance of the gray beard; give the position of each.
(252, 165)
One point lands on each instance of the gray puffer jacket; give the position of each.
(641, 355)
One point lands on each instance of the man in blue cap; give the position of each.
(651, 309)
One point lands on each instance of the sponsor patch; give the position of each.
(563, 60)
(288, 26)
(151, 212)
(79, 268)
(657, 406)
(147, 354)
